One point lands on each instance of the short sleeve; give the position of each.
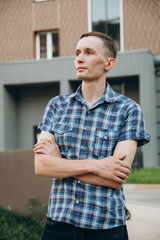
(48, 117)
(134, 127)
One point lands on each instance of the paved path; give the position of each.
(143, 202)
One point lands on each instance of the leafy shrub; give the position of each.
(38, 210)
(15, 226)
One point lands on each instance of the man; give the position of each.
(87, 145)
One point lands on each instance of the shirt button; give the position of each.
(85, 128)
(148, 137)
(77, 201)
(105, 137)
(78, 181)
(82, 147)
(88, 112)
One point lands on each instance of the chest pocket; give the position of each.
(105, 142)
(63, 133)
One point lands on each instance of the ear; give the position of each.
(110, 62)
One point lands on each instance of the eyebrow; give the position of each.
(86, 49)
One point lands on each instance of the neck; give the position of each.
(92, 91)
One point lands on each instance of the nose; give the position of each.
(79, 58)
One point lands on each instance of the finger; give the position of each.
(41, 141)
(122, 175)
(125, 171)
(40, 151)
(39, 146)
(125, 165)
(51, 141)
(119, 180)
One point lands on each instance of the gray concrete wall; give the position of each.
(29, 73)
(28, 87)
(32, 102)
(11, 120)
(2, 145)
(158, 113)
(141, 63)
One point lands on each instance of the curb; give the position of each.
(142, 186)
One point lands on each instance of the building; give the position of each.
(38, 40)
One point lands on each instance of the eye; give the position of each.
(77, 53)
(89, 52)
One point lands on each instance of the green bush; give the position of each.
(15, 226)
(145, 175)
(38, 211)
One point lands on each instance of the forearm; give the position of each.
(99, 181)
(127, 147)
(49, 163)
(57, 167)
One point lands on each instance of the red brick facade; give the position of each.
(16, 38)
(142, 25)
(21, 19)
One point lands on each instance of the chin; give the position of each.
(79, 77)
(82, 77)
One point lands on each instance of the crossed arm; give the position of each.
(111, 171)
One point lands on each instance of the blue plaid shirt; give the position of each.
(90, 133)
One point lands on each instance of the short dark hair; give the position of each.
(110, 44)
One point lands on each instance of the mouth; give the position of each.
(80, 68)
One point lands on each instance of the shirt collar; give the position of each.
(77, 95)
(108, 96)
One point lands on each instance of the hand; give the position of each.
(49, 147)
(112, 168)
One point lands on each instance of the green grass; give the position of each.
(145, 175)
(14, 226)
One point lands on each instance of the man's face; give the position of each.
(90, 61)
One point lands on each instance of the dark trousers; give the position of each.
(63, 231)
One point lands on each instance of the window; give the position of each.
(43, 45)
(47, 45)
(119, 87)
(126, 85)
(105, 17)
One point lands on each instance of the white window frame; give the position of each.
(89, 15)
(121, 22)
(121, 27)
(40, 0)
(49, 45)
(37, 47)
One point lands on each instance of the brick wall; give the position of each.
(44, 15)
(69, 16)
(142, 25)
(16, 30)
(73, 22)
(21, 19)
